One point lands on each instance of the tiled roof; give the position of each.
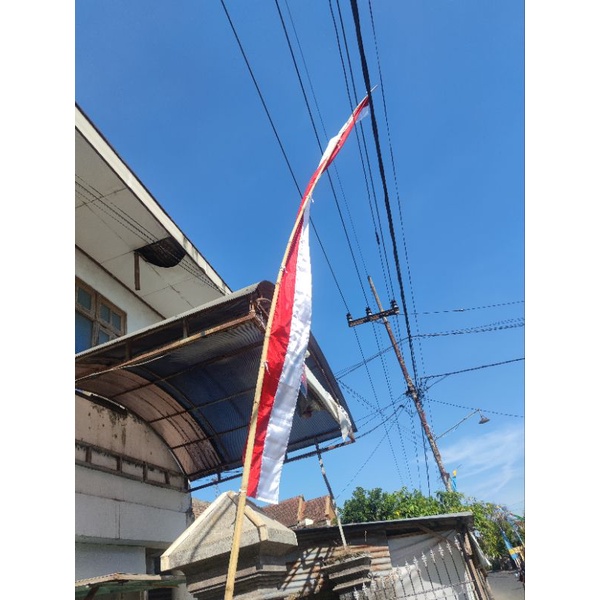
(293, 511)
(318, 510)
(288, 512)
(198, 507)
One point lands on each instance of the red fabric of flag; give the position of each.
(288, 332)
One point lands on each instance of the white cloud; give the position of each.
(491, 465)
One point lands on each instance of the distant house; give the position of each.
(198, 507)
(166, 358)
(297, 512)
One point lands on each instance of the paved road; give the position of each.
(505, 586)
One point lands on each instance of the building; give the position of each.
(165, 369)
(298, 512)
(417, 559)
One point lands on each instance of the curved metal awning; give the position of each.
(192, 379)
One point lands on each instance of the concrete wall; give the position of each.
(96, 559)
(116, 517)
(123, 434)
(115, 509)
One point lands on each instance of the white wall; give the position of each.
(93, 560)
(116, 517)
(131, 515)
(139, 314)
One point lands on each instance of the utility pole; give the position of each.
(412, 390)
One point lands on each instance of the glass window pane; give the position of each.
(84, 298)
(116, 321)
(103, 337)
(83, 333)
(105, 313)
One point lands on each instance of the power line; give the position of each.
(393, 162)
(365, 463)
(100, 202)
(264, 104)
(368, 86)
(378, 406)
(352, 100)
(291, 171)
(443, 375)
(260, 95)
(508, 324)
(487, 410)
(462, 310)
(316, 134)
(396, 414)
(298, 76)
(480, 329)
(367, 79)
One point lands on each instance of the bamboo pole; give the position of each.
(333, 148)
(241, 504)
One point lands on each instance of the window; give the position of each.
(96, 319)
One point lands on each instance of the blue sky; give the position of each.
(171, 91)
(59, 55)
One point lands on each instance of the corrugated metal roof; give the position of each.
(192, 378)
(393, 527)
(123, 583)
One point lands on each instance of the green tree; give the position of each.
(372, 505)
(489, 519)
(414, 504)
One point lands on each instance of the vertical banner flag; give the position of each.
(514, 554)
(287, 335)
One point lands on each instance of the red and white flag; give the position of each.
(287, 341)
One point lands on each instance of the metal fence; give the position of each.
(441, 573)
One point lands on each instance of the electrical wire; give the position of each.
(394, 174)
(386, 196)
(369, 183)
(270, 119)
(487, 410)
(508, 324)
(410, 336)
(367, 79)
(317, 137)
(444, 375)
(462, 310)
(96, 201)
(482, 329)
(378, 238)
(285, 155)
(298, 75)
(260, 95)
